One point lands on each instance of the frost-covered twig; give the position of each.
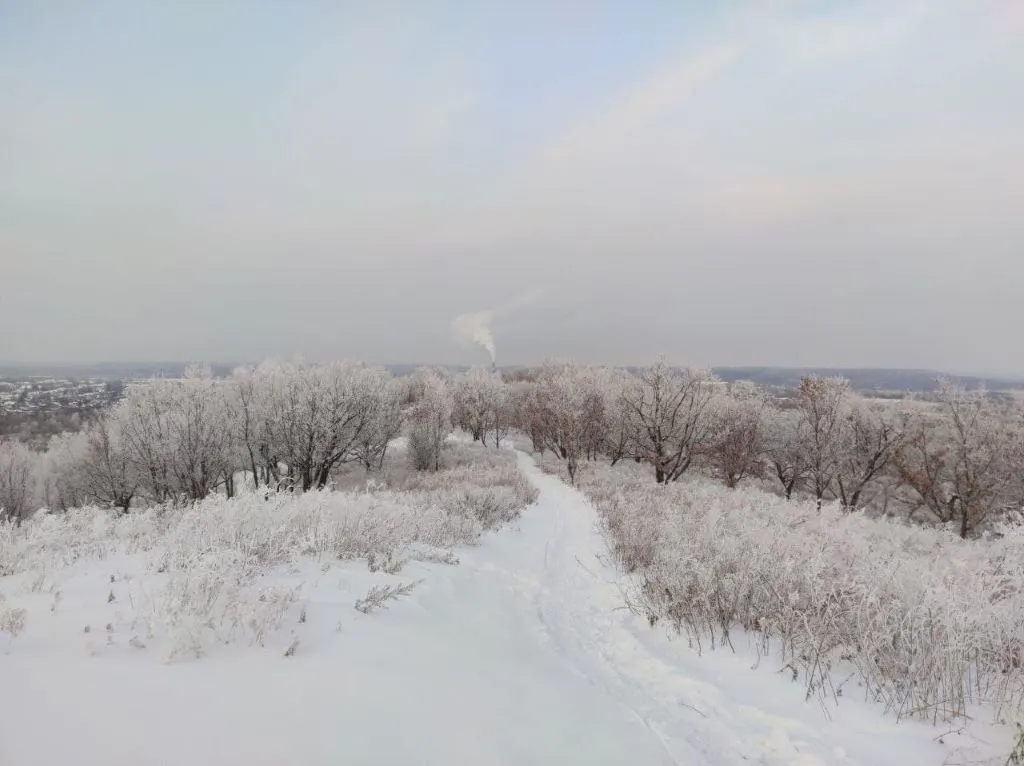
(435, 557)
(378, 595)
(1017, 754)
(12, 621)
(927, 623)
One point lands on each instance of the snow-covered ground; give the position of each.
(521, 654)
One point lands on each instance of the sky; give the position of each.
(770, 182)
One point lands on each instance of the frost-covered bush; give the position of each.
(430, 422)
(54, 540)
(206, 560)
(474, 482)
(12, 621)
(925, 622)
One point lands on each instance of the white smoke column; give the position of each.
(474, 328)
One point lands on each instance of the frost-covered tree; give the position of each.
(785, 453)
(177, 436)
(17, 481)
(569, 412)
(868, 439)
(740, 433)
(480, 404)
(430, 421)
(315, 417)
(202, 458)
(143, 418)
(246, 404)
(820, 402)
(98, 469)
(672, 417)
(59, 485)
(529, 414)
(617, 434)
(385, 423)
(960, 465)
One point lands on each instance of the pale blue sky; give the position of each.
(775, 182)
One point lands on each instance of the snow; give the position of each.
(521, 654)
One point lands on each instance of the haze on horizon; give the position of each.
(781, 183)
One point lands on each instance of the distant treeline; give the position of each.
(864, 379)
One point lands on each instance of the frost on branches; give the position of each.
(957, 459)
(278, 426)
(482, 405)
(220, 570)
(430, 421)
(953, 460)
(917, 619)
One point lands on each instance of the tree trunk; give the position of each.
(854, 500)
(255, 473)
(323, 475)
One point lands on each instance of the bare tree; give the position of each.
(17, 481)
(502, 412)
(430, 421)
(740, 439)
(314, 418)
(371, 445)
(671, 412)
(569, 413)
(177, 435)
(868, 440)
(199, 427)
(961, 467)
(247, 419)
(617, 437)
(472, 403)
(530, 416)
(785, 450)
(104, 473)
(59, 484)
(143, 421)
(481, 402)
(820, 402)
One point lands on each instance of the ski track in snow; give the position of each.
(522, 654)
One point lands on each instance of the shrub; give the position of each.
(928, 623)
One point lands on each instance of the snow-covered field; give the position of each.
(522, 653)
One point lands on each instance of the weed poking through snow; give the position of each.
(378, 596)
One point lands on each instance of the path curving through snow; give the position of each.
(713, 708)
(522, 654)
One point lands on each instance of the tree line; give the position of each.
(958, 459)
(289, 426)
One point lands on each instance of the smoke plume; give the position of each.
(474, 327)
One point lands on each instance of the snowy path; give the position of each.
(520, 655)
(710, 709)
